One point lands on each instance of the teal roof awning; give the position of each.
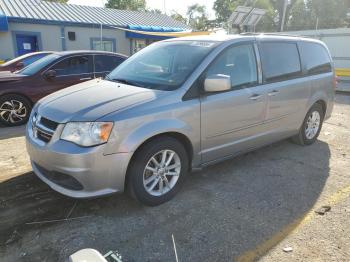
(4, 26)
(150, 29)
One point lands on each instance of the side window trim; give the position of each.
(195, 91)
(252, 43)
(258, 63)
(294, 75)
(93, 65)
(63, 58)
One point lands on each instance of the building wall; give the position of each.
(337, 40)
(6, 46)
(84, 34)
(51, 38)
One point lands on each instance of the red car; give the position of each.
(20, 62)
(21, 89)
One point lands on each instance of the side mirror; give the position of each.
(217, 83)
(50, 74)
(19, 66)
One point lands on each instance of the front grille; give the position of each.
(43, 136)
(48, 123)
(60, 179)
(43, 128)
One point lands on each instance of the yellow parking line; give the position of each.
(265, 246)
(342, 71)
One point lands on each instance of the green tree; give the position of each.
(197, 17)
(138, 5)
(178, 17)
(330, 14)
(224, 8)
(300, 16)
(278, 5)
(323, 14)
(155, 11)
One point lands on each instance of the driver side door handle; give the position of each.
(273, 93)
(255, 97)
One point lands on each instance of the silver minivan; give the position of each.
(176, 106)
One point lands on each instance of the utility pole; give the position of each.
(285, 4)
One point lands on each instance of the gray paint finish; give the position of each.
(218, 125)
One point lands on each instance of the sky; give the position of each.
(180, 6)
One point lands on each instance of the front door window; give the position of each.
(76, 65)
(239, 64)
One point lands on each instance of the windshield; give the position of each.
(38, 65)
(163, 65)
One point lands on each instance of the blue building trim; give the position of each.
(29, 33)
(59, 23)
(114, 42)
(63, 39)
(4, 25)
(150, 29)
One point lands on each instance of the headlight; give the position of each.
(87, 133)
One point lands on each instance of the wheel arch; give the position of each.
(323, 104)
(320, 98)
(18, 94)
(180, 137)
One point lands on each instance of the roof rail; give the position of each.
(273, 34)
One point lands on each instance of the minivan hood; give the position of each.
(92, 100)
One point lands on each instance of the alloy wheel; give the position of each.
(312, 125)
(162, 172)
(13, 111)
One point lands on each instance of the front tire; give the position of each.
(157, 171)
(14, 110)
(311, 128)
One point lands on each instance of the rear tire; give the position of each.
(14, 110)
(157, 171)
(311, 127)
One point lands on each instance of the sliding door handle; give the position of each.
(255, 97)
(274, 92)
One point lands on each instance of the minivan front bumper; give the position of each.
(76, 171)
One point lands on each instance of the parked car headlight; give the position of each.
(87, 133)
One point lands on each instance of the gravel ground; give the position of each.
(245, 209)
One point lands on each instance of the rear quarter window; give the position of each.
(315, 58)
(280, 61)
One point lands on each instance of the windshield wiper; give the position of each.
(124, 81)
